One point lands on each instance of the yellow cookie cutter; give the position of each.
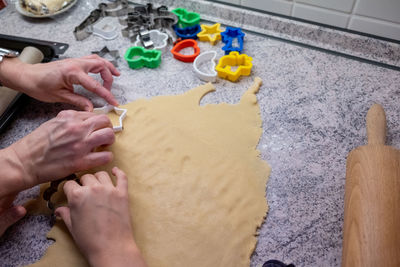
(210, 33)
(243, 61)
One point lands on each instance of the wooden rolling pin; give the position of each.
(371, 234)
(29, 55)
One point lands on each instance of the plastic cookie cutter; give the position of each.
(204, 66)
(139, 57)
(189, 32)
(119, 111)
(210, 33)
(233, 39)
(159, 40)
(106, 28)
(111, 55)
(242, 61)
(186, 18)
(184, 44)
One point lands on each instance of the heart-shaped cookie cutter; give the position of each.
(199, 64)
(139, 57)
(184, 44)
(243, 61)
(228, 36)
(186, 18)
(119, 111)
(189, 32)
(210, 33)
(159, 39)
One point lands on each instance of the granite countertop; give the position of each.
(313, 107)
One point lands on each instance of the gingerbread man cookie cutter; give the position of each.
(119, 111)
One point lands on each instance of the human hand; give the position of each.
(9, 214)
(62, 146)
(98, 218)
(53, 81)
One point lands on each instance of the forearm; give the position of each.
(12, 73)
(129, 256)
(11, 173)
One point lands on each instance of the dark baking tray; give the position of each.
(50, 50)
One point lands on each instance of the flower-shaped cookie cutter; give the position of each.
(243, 61)
(204, 66)
(210, 33)
(139, 57)
(106, 28)
(159, 39)
(189, 32)
(186, 18)
(229, 36)
(119, 111)
(183, 44)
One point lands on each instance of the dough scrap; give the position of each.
(196, 181)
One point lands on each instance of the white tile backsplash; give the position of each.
(236, 2)
(277, 6)
(339, 5)
(376, 27)
(378, 17)
(388, 10)
(325, 16)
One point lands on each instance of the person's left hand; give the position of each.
(53, 82)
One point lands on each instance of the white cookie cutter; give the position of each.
(202, 62)
(106, 28)
(159, 39)
(119, 111)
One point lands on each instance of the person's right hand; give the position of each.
(98, 218)
(62, 146)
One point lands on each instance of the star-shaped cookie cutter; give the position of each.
(114, 54)
(119, 111)
(243, 61)
(210, 33)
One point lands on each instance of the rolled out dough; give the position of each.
(196, 182)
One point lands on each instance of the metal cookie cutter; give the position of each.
(204, 66)
(114, 54)
(106, 28)
(243, 61)
(85, 29)
(49, 192)
(119, 111)
(159, 40)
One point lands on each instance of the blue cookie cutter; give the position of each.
(228, 36)
(189, 32)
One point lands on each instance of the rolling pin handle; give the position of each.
(376, 125)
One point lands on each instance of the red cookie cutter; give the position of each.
(183, 44)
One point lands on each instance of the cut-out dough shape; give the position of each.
(196, 182)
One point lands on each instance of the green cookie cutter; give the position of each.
(139, 57)
(186, 18)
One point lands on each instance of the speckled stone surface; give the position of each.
(313, 107)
